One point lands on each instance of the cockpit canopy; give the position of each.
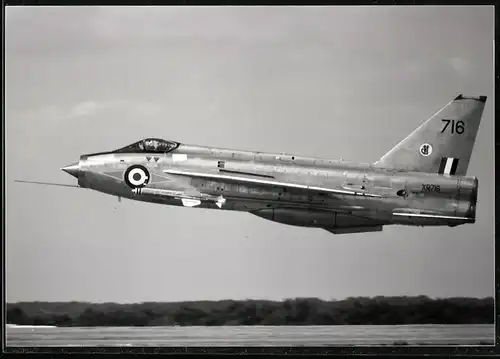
(149, 145)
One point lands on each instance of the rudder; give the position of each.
(442, 144)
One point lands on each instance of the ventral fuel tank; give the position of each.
(314, 218)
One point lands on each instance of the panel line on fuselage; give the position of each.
(421, 215)
(246, 173)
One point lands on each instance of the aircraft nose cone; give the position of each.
(73, 169)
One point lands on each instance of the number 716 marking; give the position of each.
(457, 127)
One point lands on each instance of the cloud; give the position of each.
(93, 108)
(459, 64)
(84, 109)
(38, 120)
(85, 29)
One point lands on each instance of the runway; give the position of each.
(18, 336)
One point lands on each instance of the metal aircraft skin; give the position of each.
(420, 182)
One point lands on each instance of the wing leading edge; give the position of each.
(266, 181)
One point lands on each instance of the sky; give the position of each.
(332, 82)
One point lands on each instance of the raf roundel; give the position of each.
(425, 149)
(136, 176)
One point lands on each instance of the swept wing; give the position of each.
(266, 181)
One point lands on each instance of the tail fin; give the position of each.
(442, 144)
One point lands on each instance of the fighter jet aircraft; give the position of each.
(420, 182)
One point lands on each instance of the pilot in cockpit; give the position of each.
(150, 144)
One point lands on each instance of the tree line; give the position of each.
(300, 311)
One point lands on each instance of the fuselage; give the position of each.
(259, 183)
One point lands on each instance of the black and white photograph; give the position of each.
(268, 176)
